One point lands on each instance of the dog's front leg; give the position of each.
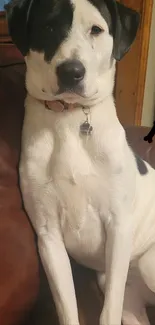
(118, 249)
(58, 270)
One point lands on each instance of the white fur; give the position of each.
(84, 195)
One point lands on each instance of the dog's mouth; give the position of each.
(71, 96)
(71, 92)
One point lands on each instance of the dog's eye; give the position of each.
(96, 30)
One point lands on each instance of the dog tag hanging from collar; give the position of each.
(86, 128)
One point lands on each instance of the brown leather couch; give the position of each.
(25, 297)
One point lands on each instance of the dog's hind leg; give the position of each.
(147, 268)
(134, 312)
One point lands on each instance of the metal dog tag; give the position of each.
(86, 128)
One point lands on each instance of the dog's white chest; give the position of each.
(80, 183)
(84, 235)
(71, 176)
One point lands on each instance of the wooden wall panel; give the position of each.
(131, 71)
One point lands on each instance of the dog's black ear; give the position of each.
(125, 23)
(18, 15)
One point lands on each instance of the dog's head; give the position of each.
(70, 46)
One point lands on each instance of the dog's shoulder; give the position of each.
(37, 139)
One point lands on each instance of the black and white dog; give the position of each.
(79, 178)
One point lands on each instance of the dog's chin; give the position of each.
(68, 97)
(82, 98)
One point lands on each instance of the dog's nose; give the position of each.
(70, 73)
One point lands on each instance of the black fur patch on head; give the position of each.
(123, 24)
(40, 25)
(50, 25)
(142, 168)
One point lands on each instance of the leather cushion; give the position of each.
(19, 278)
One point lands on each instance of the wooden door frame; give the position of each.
(143, 46)
(145, 41)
